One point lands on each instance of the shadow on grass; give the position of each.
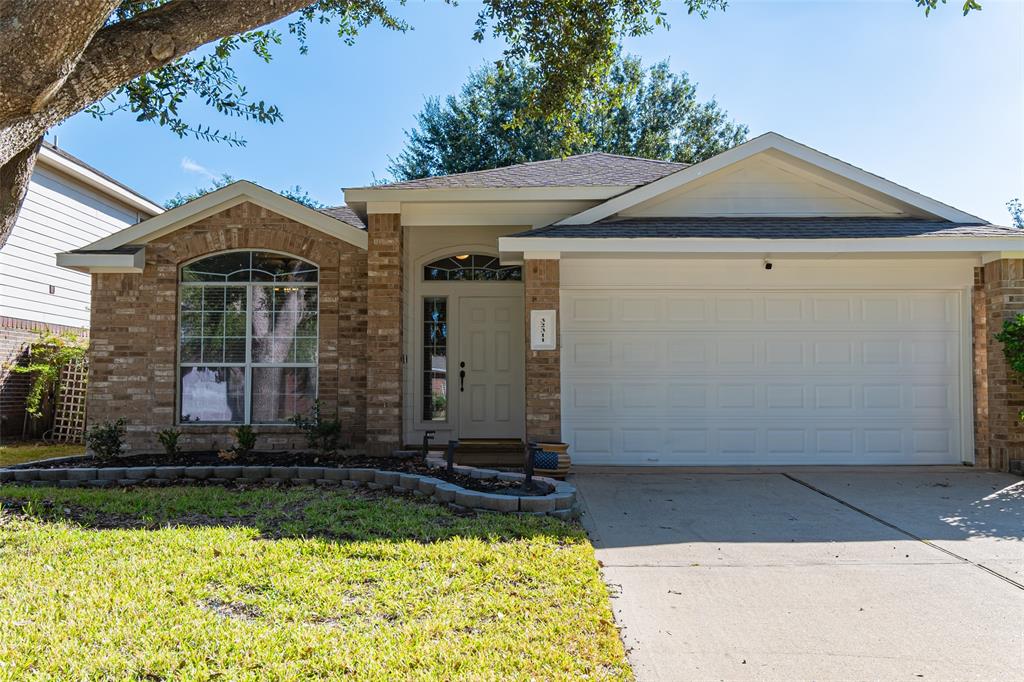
(276, 512)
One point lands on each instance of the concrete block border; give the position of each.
(560, 501)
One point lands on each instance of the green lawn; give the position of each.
(16, 453)
(205, 583)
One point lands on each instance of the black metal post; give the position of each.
(528, 465)
(450, 455)
(427, 437)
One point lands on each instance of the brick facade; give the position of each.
(384, 294)
(999, 392)
(133, 370)
(543, 368)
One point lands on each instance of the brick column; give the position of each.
(384, 334)
(1004, 299)
(543, 367)
(979, 335)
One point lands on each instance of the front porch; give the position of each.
(447, 342)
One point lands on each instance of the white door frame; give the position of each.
(413, 423)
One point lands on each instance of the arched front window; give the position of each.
(471, 267)
(248, 330)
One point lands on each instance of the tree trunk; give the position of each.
(14, 177)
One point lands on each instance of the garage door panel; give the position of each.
(694, 398)
(715, 444)
(669, 377)
(689, 352)
(778, 311)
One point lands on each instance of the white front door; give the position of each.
(489, 370)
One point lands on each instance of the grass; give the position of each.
(16, 453)
(199, 583)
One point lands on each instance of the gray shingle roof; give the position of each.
(773, 228)
(345, 215)
(595, 169)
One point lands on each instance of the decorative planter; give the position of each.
(552, 460)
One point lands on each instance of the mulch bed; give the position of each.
(412, 465)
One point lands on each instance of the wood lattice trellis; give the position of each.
(69, 417)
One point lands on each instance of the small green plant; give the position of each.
(323, 435)
(47, 357)
(1012, 338)
(169, 439)
(106, 439)
(245, 440)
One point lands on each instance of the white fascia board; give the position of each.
(89, 177)
(382, 194)
(103, 262)
(222, 199)
(624, 245)
(757, 145)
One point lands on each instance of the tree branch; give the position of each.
(45, 56)
(14, 179)
(126, 50)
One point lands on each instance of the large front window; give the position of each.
(248, 330)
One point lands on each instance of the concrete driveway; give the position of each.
(813, 574)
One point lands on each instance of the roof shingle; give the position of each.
(772, 228)
(595, 169)
(345, 215)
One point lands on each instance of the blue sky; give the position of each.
(936, 103)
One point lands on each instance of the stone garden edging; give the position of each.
(559, 502)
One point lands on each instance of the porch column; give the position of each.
(384, 334)
(1002, 391)
(543, 367)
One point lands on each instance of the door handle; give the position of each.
(462, 380)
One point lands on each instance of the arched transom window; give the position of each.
(471, 267)
(248, 330)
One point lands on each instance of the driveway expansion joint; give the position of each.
(888, 524)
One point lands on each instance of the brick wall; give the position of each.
(543, 368)
(133, 372)
(384, 334)
(1002, 390)
(15, 337)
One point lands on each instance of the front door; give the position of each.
(489, 369)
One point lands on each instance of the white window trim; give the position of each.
(248, 364)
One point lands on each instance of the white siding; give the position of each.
(759, 187)
(59, 214)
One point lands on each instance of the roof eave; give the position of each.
(522, 247)
(88, 176)
(220, 200)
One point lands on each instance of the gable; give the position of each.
(771, 176)
(763, 186)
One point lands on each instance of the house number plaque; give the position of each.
(543, 330)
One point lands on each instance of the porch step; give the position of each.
(485, 452)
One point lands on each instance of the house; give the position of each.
(69, 204)
(770, 305)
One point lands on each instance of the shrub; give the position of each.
(169, 439)
(245, 440)
(323, 435)
(47, 357)
(1012, 338)
(106, 439)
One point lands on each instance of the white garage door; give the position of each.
(732, 377)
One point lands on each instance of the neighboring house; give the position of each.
(771, 305)
(69, 204)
